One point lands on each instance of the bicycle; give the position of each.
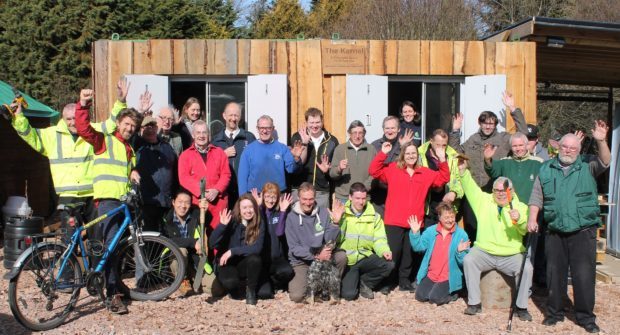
(46, 279)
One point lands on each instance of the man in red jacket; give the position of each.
(204, 160)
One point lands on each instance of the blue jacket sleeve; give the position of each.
(254, 248)
(290, 164)
(244, 172)
(419, 242)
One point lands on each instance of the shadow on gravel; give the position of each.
(91, 306)
(8, 326)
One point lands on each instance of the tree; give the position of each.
(46, 45)
(325, 14)
(283, 19)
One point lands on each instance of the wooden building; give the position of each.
(347, 79)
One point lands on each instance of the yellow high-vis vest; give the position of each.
(71, 161)
(111, 170)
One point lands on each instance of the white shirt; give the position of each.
(316, 141)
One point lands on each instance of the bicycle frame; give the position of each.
(76, 239)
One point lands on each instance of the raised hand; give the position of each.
(440, 153)
(225, 216)
(457, 122)
(303, 133)
(145, 102)
(489, 151)
(285, 200)
(257, 197)
(580, 135)
(297, 149)
(122, 88)
(462, 165)
(86, 96)
(508, 101)
(463, 246)
(324, 164)
(449, 197)
(414, 223)
(386, 147)
(406, 137)
(337, 211)
(599, 132)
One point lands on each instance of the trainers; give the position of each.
(551, 321)
(116, 305)
(523, 314)
(366, 291)
(591, 328)
(473, 309)
(186, 288)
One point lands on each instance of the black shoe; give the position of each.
(473, 309)
(365, 291)
(551, 321)
(591, 328)
(250, 297)
(385, 290)
(406, 287)
(523, 314)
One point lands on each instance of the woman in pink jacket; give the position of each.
(408, 185)
(204, 160)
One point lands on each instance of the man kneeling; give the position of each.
(502, 223)
(180, 225)
(362, 236)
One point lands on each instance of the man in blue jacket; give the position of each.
(267, 160)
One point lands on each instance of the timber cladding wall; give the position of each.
(302, 60)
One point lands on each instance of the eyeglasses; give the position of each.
(166, 119)
(498, 191)
(264, 128)
(570, 149)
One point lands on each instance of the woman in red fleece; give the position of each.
(408, 184)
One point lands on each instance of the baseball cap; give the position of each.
(148, 120)
(532, 131)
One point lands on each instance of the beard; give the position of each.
(566, 160)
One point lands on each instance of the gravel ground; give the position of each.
(396, 313)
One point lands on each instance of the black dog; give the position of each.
(323, 278)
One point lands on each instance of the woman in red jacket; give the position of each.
(204, 160)
(408, 184)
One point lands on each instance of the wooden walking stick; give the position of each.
(203, 242)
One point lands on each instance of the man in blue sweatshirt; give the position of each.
(267, 160)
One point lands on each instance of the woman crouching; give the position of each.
(239, 240)
(444, 246)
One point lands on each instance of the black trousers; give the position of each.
(89, 212)
(277, 273)
(436, 293)
(576, 250)
(470, 223)
(371, 270)
(402, 254)
(239, 268)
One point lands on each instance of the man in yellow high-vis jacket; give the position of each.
(70, 157)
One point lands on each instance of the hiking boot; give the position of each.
(473, 309)
(186, 288)
(366, 291)
(523, 314)
(116, 305)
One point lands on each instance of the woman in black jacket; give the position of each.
(239, 240)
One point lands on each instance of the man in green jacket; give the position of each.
(502, 223)
(566, 192)
(362, 236)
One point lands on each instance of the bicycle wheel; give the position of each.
(37, 301)
(165, 272)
